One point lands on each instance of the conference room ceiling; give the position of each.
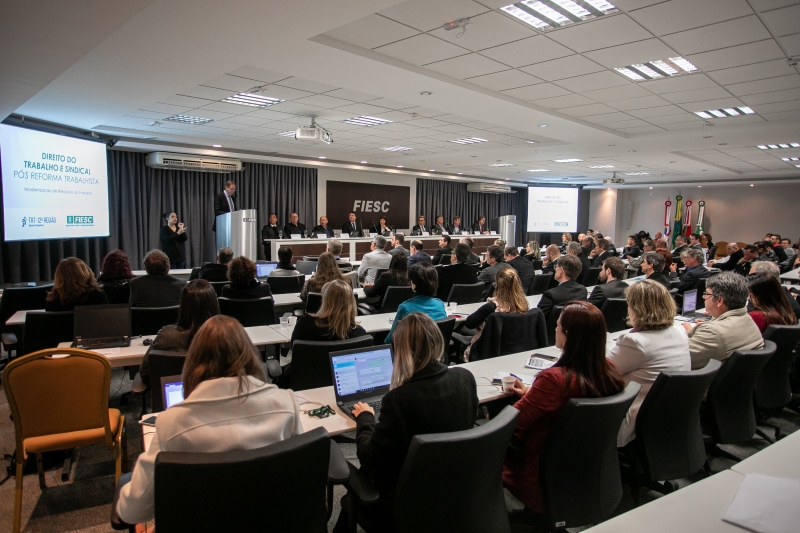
(497, 79)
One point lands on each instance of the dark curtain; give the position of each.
(450, 199)
(138, 197)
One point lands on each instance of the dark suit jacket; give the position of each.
(477, 227)
(418, 230)
(419, 257)
(730, 264)
(221, 207)
(290, 229)
(347, 228)
(210, 272)
(743, 268)
(474, 258)
(505, 333)
(252, 292)
(437, 258)
(268, 232)
(156, 291)
(690, 278)
(407, 411)
(319, 230)
(612, 289)
(437, 229)
(598, 260)
(585, 261)
(566, 292)
(679, 249)
(452, 274)
(661, 278)
(525, 270)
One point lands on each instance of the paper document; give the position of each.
(107, 351)
(766, 504)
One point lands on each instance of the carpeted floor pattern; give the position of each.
(83, 504)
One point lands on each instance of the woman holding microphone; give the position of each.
(173, 239)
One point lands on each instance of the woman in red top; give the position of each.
(770, 305)
(582, 371)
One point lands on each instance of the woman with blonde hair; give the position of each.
(566, 238)
(74, 284)
(327, 270)
(425, 397)
(508, 298)
(532, 251)
(228, 406)
(336, 318)
(653, 345)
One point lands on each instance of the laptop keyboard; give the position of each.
(104, 342)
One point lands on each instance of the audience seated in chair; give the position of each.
(326, 271)
(611, 284)
(653, 267)
(532, 251)
(424, 282)
(573, 248)
(228, 406)
(397, 275)
(244, 285)
(397, 245)
(334, 247)
(695, 270)
(768, 268)
(655, 344)
(582, 371)
(567, 269)
(444, 249)
(285, 266)
(494, 261)
(457, 272)
(372, 261)
(336, 319)
(730, 327)
(523, 267)
(769, 301)
(417, 254)
(115, 275)
(551, 255)
(217, 271)
(157, 288)
(74, 284)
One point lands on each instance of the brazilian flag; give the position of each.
(678, 219)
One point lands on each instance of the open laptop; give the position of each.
(102, 326)
(263, 269)
(171, 390)
(361, 375)
(688, 313)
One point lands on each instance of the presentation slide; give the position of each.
(552, 209)
(54, 187)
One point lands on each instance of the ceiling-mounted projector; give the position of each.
(314, 132)
(614, 181)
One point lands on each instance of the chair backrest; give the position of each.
(306, 267)
(218, 286)
(466, 293)
(446, 259)
(395, 295)
(313, 302)
(163, 363)
(228, 491)
(730, 395)
(310, 258)
(721, 246)
(446, 326)
(700, 285)
(149, 320)
(590, 276)
(249, 312)
(578, 468)
(51, 395)
(515, 332)
(452, 481)
(285, 284)
(772, 389)
(552, 322)
(380, 271)
(615, 311)
(311, 366)
(540, 284)
(46, 329)
(668, 433)
(712, 252)
(20, 299)
(538, 264)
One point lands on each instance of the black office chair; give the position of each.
(218, 286)
(149, 320)
(712, 253)
(285, 284)
(442, 487)
(47, 329)
(669, 439)
(541, 282)
(701, 288)
(728, 412)
(162, 363)
(395, 295)
(551, 322)
(615, 311)
(446, 259)
(227, 491)
(18, 299)
(578, 468)
(249, 312)
(507, 333)
(446, 327)
(306, 267)
(590, 276)
(466, 293)
(772, 390)
(311, 367)
(380, 271)
(313, 302)
(310, 258)
(538, 264)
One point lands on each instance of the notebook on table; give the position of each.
(102, 326)
(361, 375)
(263, 269)
(688, 313)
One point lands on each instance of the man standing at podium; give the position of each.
(223, 202)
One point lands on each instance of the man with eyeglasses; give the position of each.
(567, 269)
(693, 259)
(730, 327)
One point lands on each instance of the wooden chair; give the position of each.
(60, 403)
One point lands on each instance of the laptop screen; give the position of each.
(173, 393)
(362, 371)
(689, 301)
(263, 269)
(97, 321)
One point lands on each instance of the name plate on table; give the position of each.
(445, 233)
(426, 234)
(493, 233)
(295, 236)
(321, 236)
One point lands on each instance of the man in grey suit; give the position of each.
(374, 260)
(611, 285)
(494, 258)
(397, 244)
(695, 270)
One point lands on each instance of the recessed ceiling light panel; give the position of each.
(189, 120)
(252, 100)
(396, 148)
(549, 14)
(725, 113)
(469, 140)
(538, 170)
(658, 69)
(367, 121)
(602, 166)
(637, 174)
(777, 146)
(573, 160)
(501, 165)
(288, 133)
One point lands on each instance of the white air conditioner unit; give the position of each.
(488, 188)
(192, 162)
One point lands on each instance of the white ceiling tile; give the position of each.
(791, 43)
(537, 92)
(705, 105)
(285, 93)
(306, 85)
(619, 93)
(270, 114)
(757, 71)
(485, 31)
(425, 122)
(679, 83)
(332, 115)
(186, 101)
(721, 35)
(763, 86)
(208, 93)
(425, 112)
(391, 104)
(166, 108)
(395, 116)
(224, 107)
(558, 102)
(587, 110)
(248, 120)
(630, 5)
(632, 53)
(353, 96)
(734, 56)
(696, 95)
(258, 74)
(565, 67)
(601, 33)
(679, 15)
(466, 66)
(372, 31)
(507, 79)
(362, 109)
(641, 129)
(673, 119)
(771, 97)
(783, 116)
(660, 111)
(322, 100)
(231, 83)
(697, 126)
(296, 108)
(527, 51)
(766, 5)
(782, 21)
(207, 113)
(765, 109)
(631, 123)
(592, 82)
(638, 103)
(609, 117)
(425, 15)
(421, 49)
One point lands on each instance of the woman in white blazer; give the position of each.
(654, 344)
(219, 414)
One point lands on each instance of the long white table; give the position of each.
(792, 275)
(781, 459)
